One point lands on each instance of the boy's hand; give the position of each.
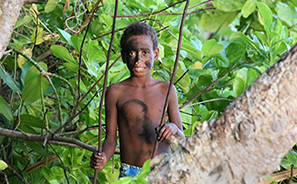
(167, 131)
(98, 161)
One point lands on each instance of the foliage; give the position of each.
(223, 51)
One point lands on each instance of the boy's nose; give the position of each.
(138, 58)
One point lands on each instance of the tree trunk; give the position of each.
(9, 13)
(244, 144)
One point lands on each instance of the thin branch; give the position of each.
(80, 59)
(162, 121)
(17, 174)
(104, 85)
(162, 13)
(43, 73)
(64, 168)
(204, 2)
(168, 7)
(181, 76)
(88, 19)
(211, 100)
(70, 119)
(100, 36)
(207, 88)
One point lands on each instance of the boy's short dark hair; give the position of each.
(139, 28)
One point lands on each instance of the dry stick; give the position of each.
(204, 2)
(206, 89)
(211, 100)
(79, 62)
(104, 85)
(182, 76)
(172, 77)
(64, 168)
(168, 7)
(17, 174)
(69, 120)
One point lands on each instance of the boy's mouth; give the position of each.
(139, 69)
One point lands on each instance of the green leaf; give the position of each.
(214, 20)
(229, 6)
(243, 80)
(265, 14)
(184, 82)
(65, 36)
(3, 165)
(23, 21)
(31, 121)
(240, 37)
(51, 5)
(220, 61)
(211, 47)
(5, 109)
(33, 81)
(292, 157)
(248, 8)
(235, 50)
(9, 81)
(62, 53)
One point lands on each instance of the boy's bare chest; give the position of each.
(139, 105)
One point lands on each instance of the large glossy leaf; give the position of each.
(229, 6)
(211, 47)
(5, 109)
(212, 21)
(33, 83)
(265, 14)
(248, 8)
(50, 5)
(243, 80)
(62, 53)
(65, 36)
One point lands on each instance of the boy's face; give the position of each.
(139, 55)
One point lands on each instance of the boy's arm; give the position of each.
(99, 160)
(175, 124)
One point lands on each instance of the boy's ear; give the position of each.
(156, 51)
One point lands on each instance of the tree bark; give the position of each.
(247, 142)
(9, 13)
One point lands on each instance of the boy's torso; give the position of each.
(139, 111)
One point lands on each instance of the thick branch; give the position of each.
(9, 13)
(245, 143)
(41, 138)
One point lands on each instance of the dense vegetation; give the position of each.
(53, 72)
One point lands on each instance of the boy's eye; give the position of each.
(145, 52)
(131, 53)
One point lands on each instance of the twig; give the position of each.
(80, 60)
(172, 77)
(168, 7)
(89, 18)
(204, 2)
(205, 89)
(70, 119)
(182, 76)
(43, 73)
(104, 85)
(5, 177)
(64, 168)
(162, 13)
(17, 174)
(211, 100)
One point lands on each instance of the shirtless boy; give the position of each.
(135, 105)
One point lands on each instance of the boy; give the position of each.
(135, 105)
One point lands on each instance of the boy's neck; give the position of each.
(141, 81)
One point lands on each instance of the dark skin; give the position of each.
(135, 105)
